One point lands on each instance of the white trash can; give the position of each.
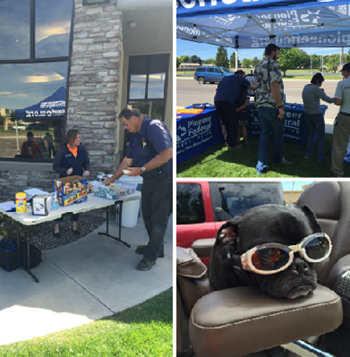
(130, 213)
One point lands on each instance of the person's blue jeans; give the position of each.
(270, 124)
(316, 124)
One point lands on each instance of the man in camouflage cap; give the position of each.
(270, 103)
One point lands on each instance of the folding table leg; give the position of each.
(28, 259)
(118, 239)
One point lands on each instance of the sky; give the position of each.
(205, 51)
(295, 185)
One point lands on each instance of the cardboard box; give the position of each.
(71, 189)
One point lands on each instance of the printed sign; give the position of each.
(197, 133)
(295, 125)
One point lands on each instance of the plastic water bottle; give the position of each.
(54, 204)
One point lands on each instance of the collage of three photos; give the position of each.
(174, 178)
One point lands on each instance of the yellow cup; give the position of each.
(21, 202)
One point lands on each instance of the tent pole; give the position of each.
(322, 61)
(236, 59)
(17, 137)
(311, 63)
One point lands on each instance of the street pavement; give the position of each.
(82, 281)
(190, 92)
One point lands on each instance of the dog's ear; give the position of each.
(311, 218)
(229, 233)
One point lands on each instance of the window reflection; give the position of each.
(156, 84)
(52, 28)
(138, 86)
(14, 29)
(32, 99)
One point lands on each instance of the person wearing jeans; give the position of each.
(225, 100)
(270, 103)
(270, 123)
(312, 93)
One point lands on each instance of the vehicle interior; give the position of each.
(244, 321)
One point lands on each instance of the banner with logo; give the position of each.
(197, 133)
(296, 129)
(192, 8)
(256, 23)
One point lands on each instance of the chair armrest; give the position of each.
(236, 322)
(203, 247)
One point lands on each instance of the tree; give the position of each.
(315, 61)
(256, 61)
(289, 58)
(195, 59)
(233, 59)
(178, 62)
(247, 63)
(304, 59)
(210, 61)
(332, 62)
(184, 59)
(221, 57)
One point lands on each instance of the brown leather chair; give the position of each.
(192, 284)
(330, 202)
(241, 321)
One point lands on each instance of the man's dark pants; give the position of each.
(228, 116)
(156, 209)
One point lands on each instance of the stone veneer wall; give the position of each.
(93, 98)
(94, 81)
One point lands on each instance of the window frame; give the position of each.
(33, 60)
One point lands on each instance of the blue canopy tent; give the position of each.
(256, 23)
(51, 107)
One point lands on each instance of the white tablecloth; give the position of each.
(92, 203)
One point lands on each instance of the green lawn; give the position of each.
(219, 162)
(144, 330)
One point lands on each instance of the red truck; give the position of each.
(203, 206)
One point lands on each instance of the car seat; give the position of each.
(244, 314)
(330, 202)
(243, 320)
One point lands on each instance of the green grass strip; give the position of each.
(143, 330)
(219, 162)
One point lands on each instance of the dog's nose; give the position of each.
(300, 265)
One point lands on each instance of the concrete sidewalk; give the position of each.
(82, 281)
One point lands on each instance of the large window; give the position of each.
(34, 53)
(148, 76)
(147, 83)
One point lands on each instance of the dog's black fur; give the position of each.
(265, 224)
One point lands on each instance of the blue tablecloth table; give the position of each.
(197, 133)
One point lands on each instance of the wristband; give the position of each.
(281, 106)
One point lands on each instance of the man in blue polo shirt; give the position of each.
(149, 154)
(225, 103)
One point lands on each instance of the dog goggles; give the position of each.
(271, 258)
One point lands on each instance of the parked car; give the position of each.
(202, 206)
(211, 74)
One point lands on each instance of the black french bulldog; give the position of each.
(265, 224)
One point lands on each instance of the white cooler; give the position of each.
(130, 213)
